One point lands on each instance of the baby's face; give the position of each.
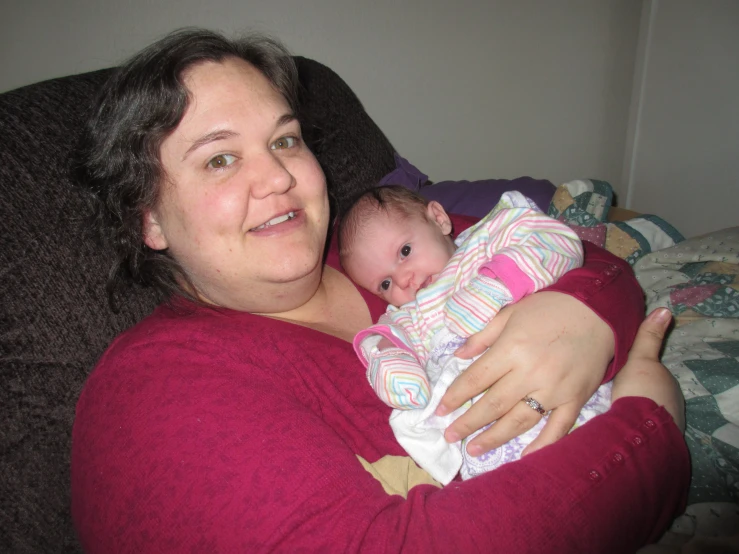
(395, 256)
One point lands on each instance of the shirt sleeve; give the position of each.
(513, 251)
(526, 249)
(607, 285)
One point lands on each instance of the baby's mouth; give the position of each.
(275, 221)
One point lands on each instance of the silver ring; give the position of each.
(534, 404)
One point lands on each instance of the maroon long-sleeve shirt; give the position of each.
(222, 431)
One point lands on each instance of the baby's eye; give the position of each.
(405, 251)
(284, 142)
(385, 285)
(221, 160)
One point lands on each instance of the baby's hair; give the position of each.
(390, 199)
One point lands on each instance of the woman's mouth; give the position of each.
(275, 221)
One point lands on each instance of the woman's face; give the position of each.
(244, 207)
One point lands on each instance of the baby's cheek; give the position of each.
(399, 299)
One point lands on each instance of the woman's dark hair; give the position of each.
(118, 157)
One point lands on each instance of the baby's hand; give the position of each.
(384, 344)
(398, 379)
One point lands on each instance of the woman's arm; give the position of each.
(608, 286)
(554, 346)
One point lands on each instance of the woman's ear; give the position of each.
(153, 235)
(438, 215)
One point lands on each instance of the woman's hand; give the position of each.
(644, 374)
(550, 347)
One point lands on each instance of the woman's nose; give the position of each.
(271, 177)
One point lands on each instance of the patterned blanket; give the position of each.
(698, 280)
(584, 205)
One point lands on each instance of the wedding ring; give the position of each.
(534, 404)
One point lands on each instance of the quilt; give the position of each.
(698, 280)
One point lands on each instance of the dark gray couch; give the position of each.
(55, 318)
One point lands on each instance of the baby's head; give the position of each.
(393, 242)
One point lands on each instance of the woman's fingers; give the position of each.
(548, 344)
(651, 334)
(484, 372)
(557, 426)
(495, 402)
(644, 375)
(519, 419)
(499, 404)
(479, 342)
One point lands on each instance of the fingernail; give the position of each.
(661, 316)
(474, 450)
(441, 410)
(451, 436)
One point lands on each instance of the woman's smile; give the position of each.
(280, 224)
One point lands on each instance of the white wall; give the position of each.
(466, 89)
(684, 164)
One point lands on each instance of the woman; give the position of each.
(236, 418)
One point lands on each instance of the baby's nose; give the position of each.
(406, 279)
(413, 284)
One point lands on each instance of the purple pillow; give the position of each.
(474, 198)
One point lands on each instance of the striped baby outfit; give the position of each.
(513, 251)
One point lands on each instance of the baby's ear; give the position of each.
(438, 215)
(153, 235)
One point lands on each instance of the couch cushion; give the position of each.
(55, 318)
(351, 148)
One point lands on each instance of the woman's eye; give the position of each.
(405, 251)
(284, 142)
(385, 285)
(221, 160)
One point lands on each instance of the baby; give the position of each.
(398, 246)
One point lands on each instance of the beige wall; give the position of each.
(682, 161)
(472, 89)
(466, 89)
